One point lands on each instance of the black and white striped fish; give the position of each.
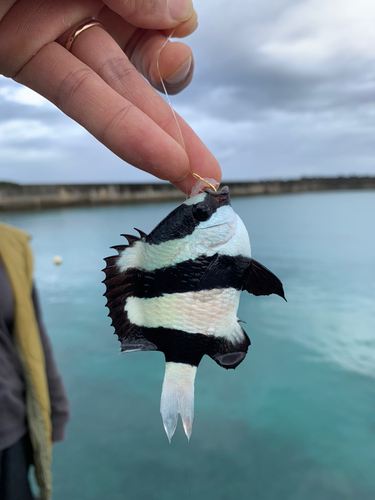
(177, 290)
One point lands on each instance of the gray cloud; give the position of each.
(281, 89)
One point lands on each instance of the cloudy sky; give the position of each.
(282, 89)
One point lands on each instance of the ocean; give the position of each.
(295, 421)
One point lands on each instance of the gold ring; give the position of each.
(78, 30)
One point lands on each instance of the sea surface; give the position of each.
(295, 421)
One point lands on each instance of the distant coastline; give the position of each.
(37, 197)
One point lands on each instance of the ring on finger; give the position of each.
(80, 29)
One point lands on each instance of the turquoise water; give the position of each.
(295, 421)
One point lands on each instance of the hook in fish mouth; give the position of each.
(204, 180)
(220, 196)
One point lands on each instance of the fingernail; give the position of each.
(179, 76)
(180, 10)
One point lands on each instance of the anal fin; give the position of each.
(229, 353)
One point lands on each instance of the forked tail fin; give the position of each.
(177, 397)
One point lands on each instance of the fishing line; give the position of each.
(166, 93)
(198, 187)
(189, 467)
(182, 143)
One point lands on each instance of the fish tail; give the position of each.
(177, 397)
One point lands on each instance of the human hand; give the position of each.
(99, 83)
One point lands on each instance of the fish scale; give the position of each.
(177, 289)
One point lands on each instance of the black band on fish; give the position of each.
(186, 218)
(203, 273)
(181, 347)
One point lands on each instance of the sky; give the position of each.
(282, 89)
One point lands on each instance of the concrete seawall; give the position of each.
(28, 197)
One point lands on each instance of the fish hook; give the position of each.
(204, 180)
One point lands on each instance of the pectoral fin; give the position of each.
(259, 280)
(135, 341)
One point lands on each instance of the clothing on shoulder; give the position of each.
(34, 408)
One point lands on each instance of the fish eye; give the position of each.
(202, 211)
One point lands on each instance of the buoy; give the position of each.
(57, 260)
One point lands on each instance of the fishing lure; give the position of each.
(177, 290)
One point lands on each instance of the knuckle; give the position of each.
(10, 62)
(115, 123)
(116, 70)
(71, 86)
(149, 14)
(146, 7)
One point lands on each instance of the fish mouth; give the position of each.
(222, 196)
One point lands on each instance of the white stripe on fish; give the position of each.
(210, 312)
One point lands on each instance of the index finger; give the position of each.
(81, 94)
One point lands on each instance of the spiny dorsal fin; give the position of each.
(111, 261)
(119, 286)
(131, 239)
(141, 233)
(120, 248)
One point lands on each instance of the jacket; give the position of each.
(17, 259)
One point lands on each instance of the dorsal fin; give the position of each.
(121, 284)
(111, 261)
(131, 238)
(120, 248)
(141, 233)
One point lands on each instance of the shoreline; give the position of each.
(46, 196)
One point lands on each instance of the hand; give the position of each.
(99, 84)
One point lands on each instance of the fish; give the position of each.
(177, 290)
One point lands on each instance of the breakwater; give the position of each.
(26, 197)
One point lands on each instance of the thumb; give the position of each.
(156, 15)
